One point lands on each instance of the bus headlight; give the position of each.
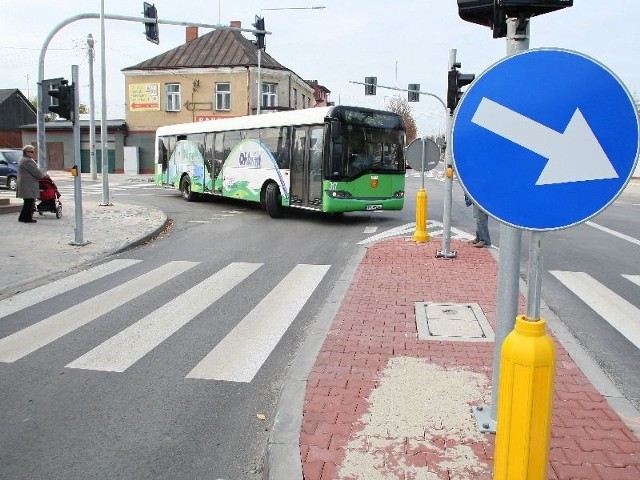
(398, 194)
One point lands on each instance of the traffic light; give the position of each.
(64, 104)
(414, 95)
(494, 13)
(456, 81)
(151, 28)
(259, 25)
(370, 85)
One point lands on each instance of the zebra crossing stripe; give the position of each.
(633, 278)
(622, 315)
(131, 344)
(239, 356)
(30, 339)
(40, 294)
(410, 228)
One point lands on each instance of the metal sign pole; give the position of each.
(77, 183)
(508, 266)
(448, 181)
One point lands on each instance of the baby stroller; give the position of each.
(49, 198)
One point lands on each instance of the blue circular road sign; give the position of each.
(545, 139)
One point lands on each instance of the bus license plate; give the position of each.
(373, 207)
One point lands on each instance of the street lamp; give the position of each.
(317, 7)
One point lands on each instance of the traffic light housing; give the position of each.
(64, 106)
(456, 81)
(494, 13)
(259, 25)
(151, 28)
(370, 85)
(413, 94)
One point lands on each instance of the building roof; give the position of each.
(219, 48)
(7, 93)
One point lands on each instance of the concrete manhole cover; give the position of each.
(452, 321)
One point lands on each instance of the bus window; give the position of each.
(253, 134)
(163, 152)
(171, 146)
(208, 154)
(198, 140)
(231, 139)
(277, 141)
(218, 153)
(367, 150)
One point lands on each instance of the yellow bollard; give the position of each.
(421, 235)
(527, 370)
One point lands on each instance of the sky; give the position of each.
(398, 41)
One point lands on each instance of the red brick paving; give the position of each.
(376, 322)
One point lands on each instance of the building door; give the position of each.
(55, 156)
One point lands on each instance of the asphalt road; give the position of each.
(155, 421)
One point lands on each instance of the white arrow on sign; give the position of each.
(574, 155)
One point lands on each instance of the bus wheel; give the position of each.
(185, 189)
(273, 201)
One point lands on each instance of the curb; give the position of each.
(122, 248)
(629, 415)
(282, 456)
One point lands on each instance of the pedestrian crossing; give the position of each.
(434, 228)
(67, 189)
(237, 358)
(614, 309)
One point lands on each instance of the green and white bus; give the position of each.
(330, 159)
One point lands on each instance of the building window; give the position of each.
(223, 96)
(173, 97)
(295, 98)
(269, 95)
(304, 99)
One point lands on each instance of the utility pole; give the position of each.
(92, 112)
(104, 146)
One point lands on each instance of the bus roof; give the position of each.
(307, 116)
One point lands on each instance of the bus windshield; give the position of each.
(361, 149)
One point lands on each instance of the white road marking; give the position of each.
(410, 228)
(633, 278)
(30, 339)
(131, 344)
(635, 241)
(406, 228)
(239, 356)
(622, 315)
(53, 289)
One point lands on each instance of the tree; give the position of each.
(401, 106)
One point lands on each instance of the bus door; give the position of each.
(306, 166)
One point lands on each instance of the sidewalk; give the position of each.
(382, 403)
(34, 253)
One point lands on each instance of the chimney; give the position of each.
(192, 33)
(236, 24)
